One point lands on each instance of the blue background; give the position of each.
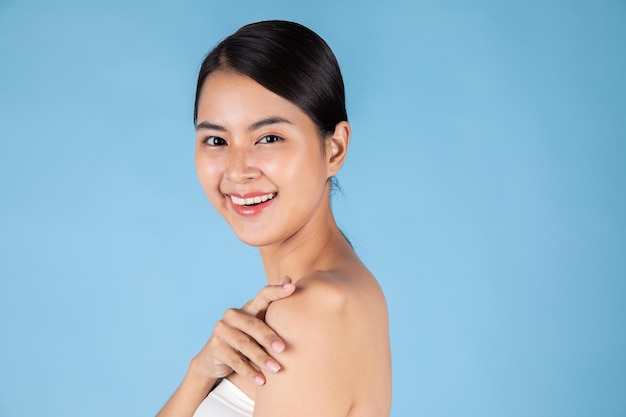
(485, 188)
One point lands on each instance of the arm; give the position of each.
(319, 366)
(239, 343)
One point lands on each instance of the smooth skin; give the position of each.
(239, 344)
(336, 359)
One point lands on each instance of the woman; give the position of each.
(272, 132)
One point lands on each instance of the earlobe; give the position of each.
(337, 147)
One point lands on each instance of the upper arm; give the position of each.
(317, 365)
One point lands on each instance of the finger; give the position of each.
(285, 280)
(238, 363)
(255, 328)
(243, 354)
(266, 296)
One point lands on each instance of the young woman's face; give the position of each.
(259, 159)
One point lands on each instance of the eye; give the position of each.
(270, 139)
(214, 141)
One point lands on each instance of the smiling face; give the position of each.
(259, 160)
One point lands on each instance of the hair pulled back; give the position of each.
(289, 60)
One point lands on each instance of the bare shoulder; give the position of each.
(319, 291)
(332, 325)
(324, 297)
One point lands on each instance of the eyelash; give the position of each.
(211, 141)
(274, 138)
(217, 141)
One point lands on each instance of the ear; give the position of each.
(337, 148)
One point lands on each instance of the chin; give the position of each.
(250, 242)
(257, 234)
(252, 239)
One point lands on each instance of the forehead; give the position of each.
(228, 97)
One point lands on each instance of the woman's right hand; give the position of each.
(241, 340)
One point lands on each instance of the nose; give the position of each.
(240, 167)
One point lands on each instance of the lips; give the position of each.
(251, 201)
(248, 205)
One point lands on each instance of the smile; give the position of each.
(251, 201)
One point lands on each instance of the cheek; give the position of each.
(304, 164)
(273, 167)
(209, 174)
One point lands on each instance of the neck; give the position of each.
(313, 247)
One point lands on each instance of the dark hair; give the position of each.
(288, 59)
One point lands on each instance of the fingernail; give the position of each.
(278, 346)
(288, 286)
(272, 366)
(259, 380)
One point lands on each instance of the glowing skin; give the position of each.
(255, 145)
(264, 168)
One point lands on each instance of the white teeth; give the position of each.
(251, 200)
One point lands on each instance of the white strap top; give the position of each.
(226, 400)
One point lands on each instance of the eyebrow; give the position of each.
(254, 126)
